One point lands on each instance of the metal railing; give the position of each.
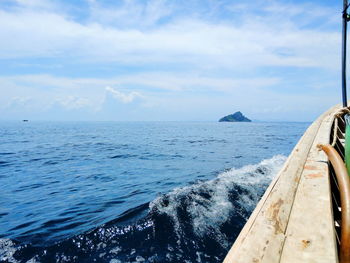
(340, 189)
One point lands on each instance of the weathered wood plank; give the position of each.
(310, 235)
(262, 238)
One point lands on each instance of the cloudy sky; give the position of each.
(168, 59)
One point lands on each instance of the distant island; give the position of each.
(235, 117)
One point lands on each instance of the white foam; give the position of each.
(208, 203)
(7, 250)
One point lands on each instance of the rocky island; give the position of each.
(235, 117)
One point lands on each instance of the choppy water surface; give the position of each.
(133, 192)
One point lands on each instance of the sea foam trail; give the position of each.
(206, 206)
(196, 223)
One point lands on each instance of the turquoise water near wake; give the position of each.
(133, 191)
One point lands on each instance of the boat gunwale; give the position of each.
(247, 247)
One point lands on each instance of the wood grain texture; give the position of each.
(310, 235)
(263, 237)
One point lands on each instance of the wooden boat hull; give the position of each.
(293, 222)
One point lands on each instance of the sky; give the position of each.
(169, 60)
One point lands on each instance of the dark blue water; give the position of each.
(133, 192)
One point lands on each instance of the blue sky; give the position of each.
(168, 60)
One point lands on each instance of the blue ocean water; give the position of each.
(133, 191)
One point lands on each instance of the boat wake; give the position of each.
(196, 223)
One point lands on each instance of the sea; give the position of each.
(133, 191)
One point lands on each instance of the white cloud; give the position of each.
(192, 41)
(144, 15)
(184, 62)
(18, 102)
(124, 97)
(176, 96)
(35, 4)
(73, 102)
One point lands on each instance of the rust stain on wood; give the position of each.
(273, 213)
(296, 179)
(305, 243)
(315, 175)
(310, 167)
